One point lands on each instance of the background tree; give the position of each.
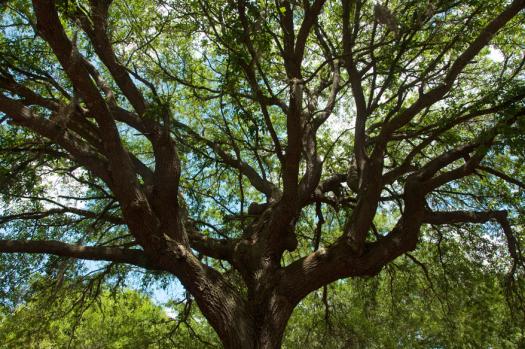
(112, 321)
(250, 148)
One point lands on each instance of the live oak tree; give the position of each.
(204, 139)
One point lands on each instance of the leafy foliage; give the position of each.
(259, 152)
(70, 318)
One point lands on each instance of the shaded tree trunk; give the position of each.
(263, 329)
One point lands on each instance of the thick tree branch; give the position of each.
(310, 17)
(215, 248)
(342, 259)
(81, 152)
(455, 217)
(357, 90)
(98, 253)
(36, 215)
(29, 97)
(97, 32)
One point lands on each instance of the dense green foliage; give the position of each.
(352, 171)
(71, 317)
(123, 321)
(413, 305)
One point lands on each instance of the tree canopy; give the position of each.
(123, 320)
(259, 151)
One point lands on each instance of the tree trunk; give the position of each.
(267, 324)
(266, 335)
